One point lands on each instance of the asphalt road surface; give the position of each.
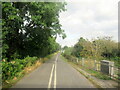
(55, 73)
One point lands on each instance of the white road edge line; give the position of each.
(50, 80)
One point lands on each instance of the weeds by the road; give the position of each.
(13, 71)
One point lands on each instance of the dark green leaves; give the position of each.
(30, 27)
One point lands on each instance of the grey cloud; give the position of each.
(89, 20)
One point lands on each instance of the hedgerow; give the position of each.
(15, 67)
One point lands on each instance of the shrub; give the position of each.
(15, 67)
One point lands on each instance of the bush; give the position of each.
(70, 57)
(15, 67)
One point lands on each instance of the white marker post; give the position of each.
(82, 61)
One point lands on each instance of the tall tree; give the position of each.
(27, 26)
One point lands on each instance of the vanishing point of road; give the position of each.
(54, 73)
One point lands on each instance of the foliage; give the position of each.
(106, 47)
(100, 48)
(67, 50)
(30, 28)
(29, 31)
(82, 48)
(15, 67)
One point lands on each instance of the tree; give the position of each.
(28, 26)
(78, 47)
(102, 47)
(106, 47)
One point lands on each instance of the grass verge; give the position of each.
(84, 73)
(90, 71)
(26, 71)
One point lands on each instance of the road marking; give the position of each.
(55, 77)
(50, 80)
(51, 74)
(55, 74)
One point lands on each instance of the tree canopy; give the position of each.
(102, 47)
(30, 28)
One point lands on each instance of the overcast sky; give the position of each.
(89, 19)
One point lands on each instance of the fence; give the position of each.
(104, 66)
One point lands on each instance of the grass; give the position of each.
(98, 74)
(89, 70)
(26, 71)
(91, 80)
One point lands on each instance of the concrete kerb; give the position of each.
(99, 84)
(89, 77)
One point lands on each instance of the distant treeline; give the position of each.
(30, 29)
(100, 48)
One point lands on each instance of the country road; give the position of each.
(54, 73)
